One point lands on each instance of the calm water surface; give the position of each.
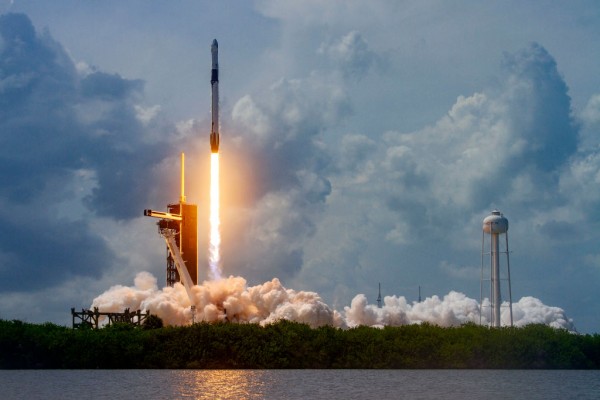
(299, 384)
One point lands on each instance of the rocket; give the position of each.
(214, 82)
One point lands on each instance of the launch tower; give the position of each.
(181, 222)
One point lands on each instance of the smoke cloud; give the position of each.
(228, 299)
(232, 300)
(453, 309)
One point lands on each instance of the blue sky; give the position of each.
(362, 142)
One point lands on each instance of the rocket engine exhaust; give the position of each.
(214, 251)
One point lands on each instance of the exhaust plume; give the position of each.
(214, 251)
(227, 299)
(453, 309)
(230, 299)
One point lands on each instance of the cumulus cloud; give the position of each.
(283, 132)
(351, 53)
(591, 112)
(540, 108)
(71, 146)
(508, 145)
(590, 121)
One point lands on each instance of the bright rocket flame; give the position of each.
(214, 251)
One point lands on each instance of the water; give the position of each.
(299, 384)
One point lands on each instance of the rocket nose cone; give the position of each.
(214, 43)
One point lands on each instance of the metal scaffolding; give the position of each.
(91, 318)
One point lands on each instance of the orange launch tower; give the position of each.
(182, 220)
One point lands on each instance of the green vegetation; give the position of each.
(293, 345)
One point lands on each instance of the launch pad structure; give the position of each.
(91, 318)
(179, 227)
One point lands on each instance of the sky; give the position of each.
(362, 142)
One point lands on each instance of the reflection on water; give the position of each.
(299, 384)
(221, 384)
(385, 384)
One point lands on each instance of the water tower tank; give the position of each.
(495, 223)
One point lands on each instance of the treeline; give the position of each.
(293, 345)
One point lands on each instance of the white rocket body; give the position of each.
(214, 82)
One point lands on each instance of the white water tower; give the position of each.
(494, 225)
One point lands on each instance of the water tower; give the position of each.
(494, 226)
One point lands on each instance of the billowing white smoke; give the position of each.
(227, 299)
(530, 310)
(454, 309)
(230, 299)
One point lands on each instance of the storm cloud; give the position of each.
(71, 147)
